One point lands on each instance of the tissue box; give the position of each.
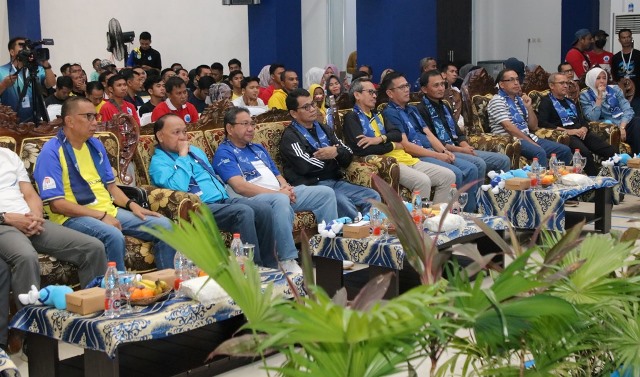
(86, 301)
(168, 276)
(633, 163)
(517, 184)
(353, 231)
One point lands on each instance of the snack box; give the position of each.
(517, 184)
(355, 231)
(167, 275)
(86, 301)
(633, 163)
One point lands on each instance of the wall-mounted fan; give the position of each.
(116, 39)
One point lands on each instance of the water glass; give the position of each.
(375, 223)
(126, 286)
(463, 198)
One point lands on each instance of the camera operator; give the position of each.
(12, 81)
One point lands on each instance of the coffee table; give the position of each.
(527, 209)
(156, 329)
(383, 256)
(629, 178)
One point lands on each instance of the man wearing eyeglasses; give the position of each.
(511, 113)
(313, 155)
(367, 133)
(250, 172)
(77, 186)
(556, 111)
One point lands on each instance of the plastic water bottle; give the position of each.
(553, 164)
(237, 249)
(416, 213)
(331, 111)
(577, 162)
(455, 206)
(535, 170)
(181, 268)
(112, 293)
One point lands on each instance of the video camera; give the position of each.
(30, 55)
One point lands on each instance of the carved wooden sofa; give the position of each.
(27, 142)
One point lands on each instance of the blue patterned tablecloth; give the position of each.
(155, 321)
(7, 366)
(387, 252)
(629, 178)
(526, 209)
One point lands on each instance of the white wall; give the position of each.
(190, 32)
(502, 28)
(314, 35)
(4, 33)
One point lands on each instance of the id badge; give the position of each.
(26, 103)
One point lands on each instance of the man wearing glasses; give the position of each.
(250, 172)
(77, 186)
(313, 155)
(511, 113)
(556, 111)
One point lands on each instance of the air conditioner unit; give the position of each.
(240, 2)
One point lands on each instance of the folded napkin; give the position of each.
(451, 222)
(207, 292)
(576, 180)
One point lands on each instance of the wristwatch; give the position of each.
(2, 218)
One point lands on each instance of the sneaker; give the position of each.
(291, 266)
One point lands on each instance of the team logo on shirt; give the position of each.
(606, 59)
(129, 111)
(187, 118)
(48, 183)
(149, 58)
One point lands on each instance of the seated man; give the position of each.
(135, 83)
(556, 111)
(178, 166)
(512, 114)
(249, 170)
(249, 98)
(198, 98)
(284, 83)
(235, 81)
(313, 155)
(24, 234)
(116, 104)
(176, 102)
(95, 94)
(64, 84)
(439, 119)
(366, 133)
(157, 93)
(75, 181)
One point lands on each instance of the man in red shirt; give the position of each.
(599, 56)
(116, 104)
(176, 102)
(576, 56)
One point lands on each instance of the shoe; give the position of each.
(291, 266)
(15, 341)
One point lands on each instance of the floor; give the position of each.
(625, 215)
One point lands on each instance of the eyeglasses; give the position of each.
(90, 116)
(245, 124)
(402, 87)
(371, 92)
(511, 80)
(562, 82)
(309, 107)
(567, 71)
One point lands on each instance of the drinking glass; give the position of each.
(583, 161)
(463, 198)
(561, 170)
(126, 285)
(375, 223)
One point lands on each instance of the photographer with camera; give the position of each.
(16, 90)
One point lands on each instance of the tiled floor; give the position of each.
(625, 215)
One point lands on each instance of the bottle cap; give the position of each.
(416, 192)
(453, 185)
(577, 150)
(553, 154)
(535, 159)
(111, 264)
(236, 235)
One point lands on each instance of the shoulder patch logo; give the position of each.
(48, 183)
(187, 118)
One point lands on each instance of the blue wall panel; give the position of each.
(576, 15)
(24, 18)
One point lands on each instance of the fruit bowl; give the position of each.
(145, 292)
(150, 300)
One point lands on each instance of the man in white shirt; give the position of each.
(249, 99)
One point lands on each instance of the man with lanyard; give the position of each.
(366, 133)
(179, 166)
(576, 56)
(116, 104)
(13, 78)
(439, 118)
(418, 140)
(626, 63)
(313, 155)
(249, 170)
(556, 111)
(512, 114)
(77, 186)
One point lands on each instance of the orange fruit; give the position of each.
(137, 294)
(147, 292)
(547, 180)
(202, 273)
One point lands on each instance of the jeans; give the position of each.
(319, 199)
(351, 197)
(492, 161)
(466, 172)
(546, 148)
(252, 219)
(592, 144)
(113, 238)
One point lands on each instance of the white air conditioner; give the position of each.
(240, 2)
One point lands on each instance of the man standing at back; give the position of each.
(626, 63)
(577, 56)
(145, 56)
(599, 56)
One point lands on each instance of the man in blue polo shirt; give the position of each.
(249, 170)
(13, 78)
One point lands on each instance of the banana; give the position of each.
(158, 288)
(164, 285)
(148, 283)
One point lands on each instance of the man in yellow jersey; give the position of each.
(365, 132)
(288, 81)
(77, 186)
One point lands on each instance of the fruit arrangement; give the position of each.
(147, 291)
(547, 180)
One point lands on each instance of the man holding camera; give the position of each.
(13, 79)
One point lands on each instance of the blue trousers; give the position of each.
(546, 147)
(113, 238)
(350, 197)
(465, 172)
(319, 199)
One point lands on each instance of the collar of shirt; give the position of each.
(171, 107)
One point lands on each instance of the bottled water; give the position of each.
(535, 170)
(237, 249)
(112, 291)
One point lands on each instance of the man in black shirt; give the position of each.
(135, 84)
(626, 63)
(145, 56)
(157, 93)
(197, 97)
(64, 85)
(556, 111)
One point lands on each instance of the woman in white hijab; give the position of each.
(606, 103)
(265, 76)
(314, 75)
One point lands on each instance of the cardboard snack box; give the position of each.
(167, 275)
(633, 163)
(518, 184)
(86, 301)
(354, 231)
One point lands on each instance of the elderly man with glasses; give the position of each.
(77, 186)
(313, 155)
(556, 111)
(511, 113)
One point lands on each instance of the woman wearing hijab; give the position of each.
(265, 76)
(317, 93)
(606, 103)
(314, 75)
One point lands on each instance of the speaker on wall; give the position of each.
(240, 2)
